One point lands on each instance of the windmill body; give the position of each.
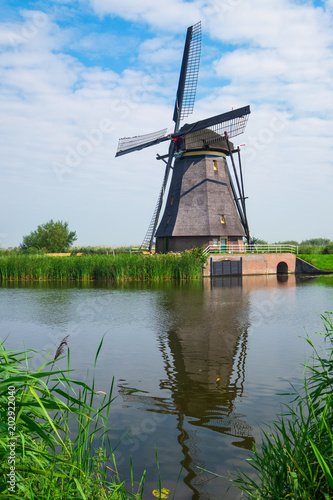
(200, 208)
(205, 203)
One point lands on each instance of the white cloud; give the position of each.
(96, 44)
(171, 16)
(63, 118)
(160, 51)
(58, 141)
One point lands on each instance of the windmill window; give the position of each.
(215, 164)
(171, 200)
(222, 219)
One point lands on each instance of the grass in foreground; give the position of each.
(323, 262)
(39, 456)
(296, 459)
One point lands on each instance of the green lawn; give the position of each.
(323, 262)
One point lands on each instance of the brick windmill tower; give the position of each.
(205, 203)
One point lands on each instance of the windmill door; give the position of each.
(223, 245)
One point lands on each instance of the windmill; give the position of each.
(205, 203)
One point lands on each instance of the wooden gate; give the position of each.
(226, 267)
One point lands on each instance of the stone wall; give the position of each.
(258, 263)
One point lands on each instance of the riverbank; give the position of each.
(127, 266)
(322, 262)
(187, 265)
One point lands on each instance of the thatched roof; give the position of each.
(206, 139)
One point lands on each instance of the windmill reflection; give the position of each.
(204, 353)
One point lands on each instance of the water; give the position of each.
(208, 359)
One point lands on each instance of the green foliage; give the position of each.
(315, 242)
(258, 241)
(51, 237)
(10, 251)
(187, 265)
(309, 250)
(288, 242)
(102, 250)
(52, 461)
(296, 459)
(328, 249)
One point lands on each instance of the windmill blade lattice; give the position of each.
(185, 98)
(232, 122)
(149, 237)
(189, 72)
(138, 142)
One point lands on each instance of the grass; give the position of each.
(323, 262)
(40, 455)
(187, 265)
(296, 458)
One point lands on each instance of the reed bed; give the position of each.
(187, 265)
(296, 459)
(39, 457)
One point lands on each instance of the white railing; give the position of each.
(246, 249)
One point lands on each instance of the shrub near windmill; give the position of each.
(205, 203)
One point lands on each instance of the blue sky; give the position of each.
(77, 75)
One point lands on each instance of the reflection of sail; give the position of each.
(204, 352)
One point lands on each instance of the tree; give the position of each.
(51, 236)
(287, 242)
(316, 241)
(257, 241)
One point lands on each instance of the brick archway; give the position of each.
(282, 268)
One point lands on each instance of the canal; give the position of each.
(206, 360)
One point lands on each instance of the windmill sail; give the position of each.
(149, 237)
(188, 79)
(185, 98)
(232, 122)
(130, 144)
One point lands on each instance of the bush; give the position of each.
(258, 241)
(316, 242)
(51, 236)
(328, 249)
(288, 242)
(309, 250)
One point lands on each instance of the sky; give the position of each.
(76, 75)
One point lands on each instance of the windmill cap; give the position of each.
(207, 139)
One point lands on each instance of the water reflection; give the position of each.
(204, 353)
(209, 355)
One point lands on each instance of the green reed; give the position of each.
(50, 460)
(296, 457)
(187, 265)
